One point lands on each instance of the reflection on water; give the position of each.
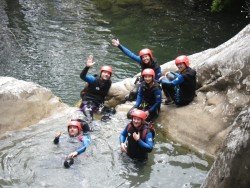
(30, 159)
(47, 41)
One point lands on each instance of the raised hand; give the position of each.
(90, 61)
(115, 42)
(58, 134)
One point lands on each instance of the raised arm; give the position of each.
(126, 51)
(83, 75)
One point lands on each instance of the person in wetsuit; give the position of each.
(93, 95)
(77, 134)
(137, 139)
(149, 96)
(179, 87)
(145, 59)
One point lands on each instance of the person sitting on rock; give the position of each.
(78, 133)
(145, 59)
(149, 96)
(93, 95)
(137, 139)
(179, 87)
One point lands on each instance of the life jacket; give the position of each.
(153, 65)
(187, 88)
(96, 91)
(148, 93)
(133, 149)
(147, 127)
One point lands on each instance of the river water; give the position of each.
(30, 159)
(47, 42)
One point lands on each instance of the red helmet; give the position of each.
(107, 68)
(75, 124)
(150, 72)
(182, 59)
(139, 113)
(146, 51)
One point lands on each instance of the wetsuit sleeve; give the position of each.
(123, 135)
(85, 77)
(85, 143)
(158, 74)
(60, 139)
(148, 143)
(178, 80)
(86, 127)
(138, 98)
(158, 97)
(174, 73)
(56, 140)
(130, 54)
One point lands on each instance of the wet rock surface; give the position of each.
(219, 113)
(223, 91)
(25, 103)
(232, 165)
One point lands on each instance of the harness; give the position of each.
(149, 98)
(146, 128)
(96, 91)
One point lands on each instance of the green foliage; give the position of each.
(216, 6)
(219, 5)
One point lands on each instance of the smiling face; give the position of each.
(181, 67)
(148, 79)
(105, 75)
(146, 59)
(137, 121)
(73, 130)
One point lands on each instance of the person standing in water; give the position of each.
(77, 134)
(137, 139)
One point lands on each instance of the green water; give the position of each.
(47, 42)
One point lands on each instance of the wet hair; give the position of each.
(84, 125)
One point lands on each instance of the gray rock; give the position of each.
(25, 103)
(223, 91)
(232, 165)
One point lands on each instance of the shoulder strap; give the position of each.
(148, 128)
(129, 126)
